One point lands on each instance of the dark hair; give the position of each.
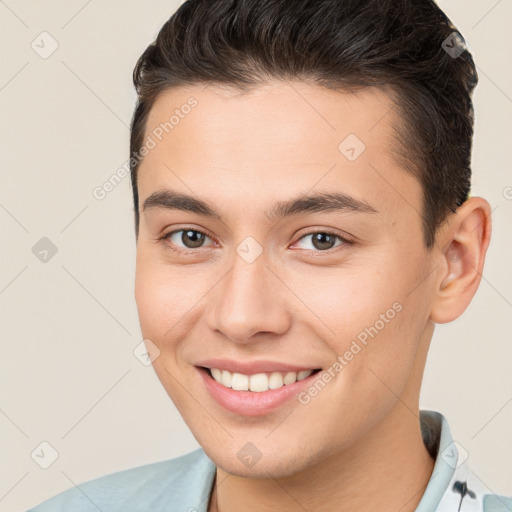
(408, 47)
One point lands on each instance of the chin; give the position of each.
(275, 463)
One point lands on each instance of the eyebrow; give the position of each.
(319, 202)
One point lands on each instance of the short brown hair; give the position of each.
(409, 47)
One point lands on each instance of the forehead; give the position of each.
(277, 139)
(290, 113)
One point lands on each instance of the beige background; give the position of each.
(69, 326)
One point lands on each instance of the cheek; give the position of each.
(347, 301)
(167, 299)
(368, 317)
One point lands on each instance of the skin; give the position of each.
(357, 444)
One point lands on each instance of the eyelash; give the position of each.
(165, 239)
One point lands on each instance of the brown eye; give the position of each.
(323, 241)
(186, 238)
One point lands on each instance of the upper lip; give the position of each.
(253, 367)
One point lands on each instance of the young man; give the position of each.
(301, 174)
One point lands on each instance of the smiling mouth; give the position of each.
(259, 382)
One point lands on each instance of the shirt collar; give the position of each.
(452, 486)
(438, 441)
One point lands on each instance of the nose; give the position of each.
(249, 300)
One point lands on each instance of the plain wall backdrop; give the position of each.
(68, 318)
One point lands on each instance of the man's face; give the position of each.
(270, 290)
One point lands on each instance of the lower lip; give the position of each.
(251, 403)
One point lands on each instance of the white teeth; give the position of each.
(275, 381)
(240, 382)
(226, 378)
(290, 378)
(217, 374)
(258, 382)
(303, 374)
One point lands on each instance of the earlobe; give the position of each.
(465, 240)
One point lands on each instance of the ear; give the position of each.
(463, 240)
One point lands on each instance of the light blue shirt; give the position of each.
(184, 484)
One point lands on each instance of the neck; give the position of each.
(390, 465)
